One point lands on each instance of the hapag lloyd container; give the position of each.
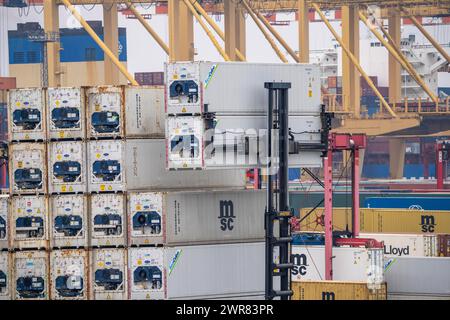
(28, 173)
(66, 115)
(69, 221)
(146, 274)
(4, 222)
(108, 220)
(109, 274)
(31, 275)
(69, 274)
(238, 88)
(146, 170)
(5, 275)
(67, 167)
(27, 114)
(29, 222)
(106, 166)
(105, 112)
(144, 112)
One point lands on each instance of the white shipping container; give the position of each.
(27, 113)
(67, 167)
(145, 170)
(146, 274)
(29, 222)
(418, 245)
(69, 274)
(106, 167)
(28, 168)
(4, 222)
(31, 275)
(5, 275)
(109, 274)
(105, 112)
(108, 220)
(144, 112)
(66, 115)
(349, 264)
(238, 88)
(69, 221)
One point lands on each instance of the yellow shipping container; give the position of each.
(336, 290)
(381, 220)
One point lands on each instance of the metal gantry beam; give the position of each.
(111, 39)
(395, 80)
(303, 31)
(181, 31)
(51, 24)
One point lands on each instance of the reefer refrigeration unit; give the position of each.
(31, 275)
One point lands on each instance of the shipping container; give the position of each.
(69, 274)
(69, 221)
(31, 275)
(238, 88)
(146, 274)
(444, 245)
(5, 275)
(29, 222)
(105, 112)
(67, 167)
(28, 163)
(149, 78)
(7, 83)
(4, 222)
(336, 290)
(66, 113)
(27, 112)
(109, 274)
(106, 166)
(107, 219)
(144, 112)
(146, 170)
(349, 264)
(412, 203)
(423, 276)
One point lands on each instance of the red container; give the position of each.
(7, 83)
(332, 82)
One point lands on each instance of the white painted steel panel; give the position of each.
(31, 275)
(4, 222)
(5, 275)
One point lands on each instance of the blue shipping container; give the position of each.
(420, 203)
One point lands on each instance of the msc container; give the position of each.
(4, 222)
(144, 112)
(69, 221)
(27, 114)
(109, 274)
(145, 169)
(423, 276)
(401, 245)
(413, 203)
(146, 274)
(66, 115)
(107, 220)
(444, 245)
(69, 274)
(31, 275)
(349, 264)
(336, 290)
(28, 163)
(5, 275)
(106, 166)
(105, 112)
(29, 222)
(67, 167)
(238, 88)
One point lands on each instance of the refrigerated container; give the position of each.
(69, 274)
(30, 275)
(109, 274)
(106, 167)
(4, 222)
(28, 168)
(444, 245)
(105, 112)
(29, 222)
(336, 290)
(144, 112)
(413, 203)
(26, 109)
(66, 113)
(146, 274)
(67, 167)
(5, 275)
(107, 219)
(69, 221)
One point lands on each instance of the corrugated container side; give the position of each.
(444, 245)
(109, 274)
(4, 222)
(31, 275)
(29, 222)
(5, 275)
(336, 290)
(69, 274)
